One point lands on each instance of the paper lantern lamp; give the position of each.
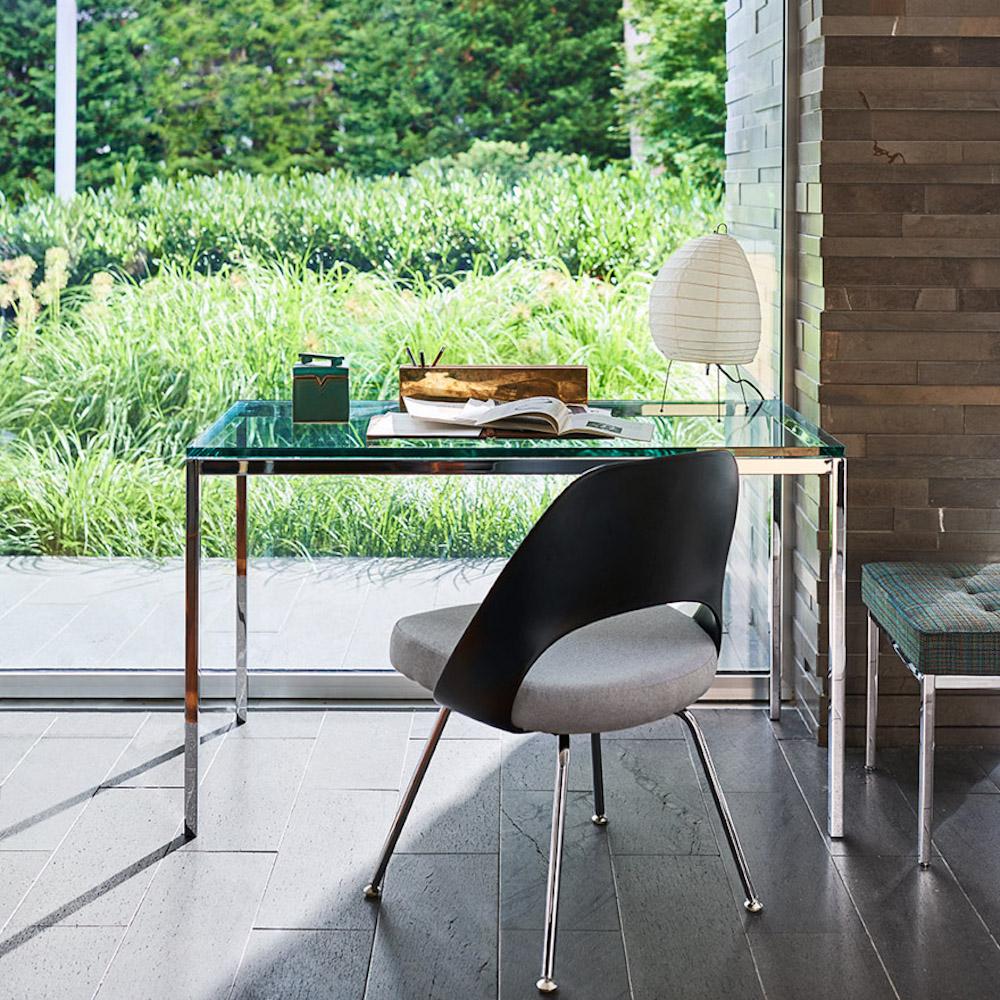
(704, 305)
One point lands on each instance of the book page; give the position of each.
(545, 412)
(448, 413)
(553, 411)
(596, 424)
(403, 425)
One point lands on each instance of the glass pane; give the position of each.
(266, 430)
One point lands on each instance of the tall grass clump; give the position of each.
(130, 318)
(99, 402)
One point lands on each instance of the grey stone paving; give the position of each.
(100, 898)
(328, 614)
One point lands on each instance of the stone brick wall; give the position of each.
(807, 564)
(897, 307)
(899, 316)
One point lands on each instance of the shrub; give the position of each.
(189, 294)
(673, 92)
(114, 121)
(446, 218)
(511, 162)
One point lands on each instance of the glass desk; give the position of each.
(258, 438)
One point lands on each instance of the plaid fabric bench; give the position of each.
(943, 620)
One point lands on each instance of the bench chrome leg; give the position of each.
(600, 817)
(925, 818)
(871, 722)
(374, 888)
(547, 984)
(751, 903)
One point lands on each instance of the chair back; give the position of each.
(617, 539)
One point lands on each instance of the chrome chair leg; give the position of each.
(752, 903)
(547, 984)
(600, 817)
(871, 722)
(925, 792)
(374, 888)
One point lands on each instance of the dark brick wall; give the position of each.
(897, 306)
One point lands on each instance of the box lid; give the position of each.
(320, 364)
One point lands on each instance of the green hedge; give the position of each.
(446, 217)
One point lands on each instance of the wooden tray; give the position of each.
(500, 382)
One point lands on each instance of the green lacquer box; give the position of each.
(320, 390)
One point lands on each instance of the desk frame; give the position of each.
(402, 463)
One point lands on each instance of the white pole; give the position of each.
(633, 38)
(65, 99)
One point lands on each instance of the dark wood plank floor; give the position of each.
(100, 898)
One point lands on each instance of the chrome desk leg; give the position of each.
(600, 817)
(374, 888)
(752, 903)
(925, 791)
(192, 559)
(871, 720)
(547, 984)
(241, 600)
(837, 653)
(776, 585)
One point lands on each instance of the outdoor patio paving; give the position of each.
(303, 614)
(327, 613)
(100, 898)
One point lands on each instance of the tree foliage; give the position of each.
(673, 91)
(242, 86)
(373, 86)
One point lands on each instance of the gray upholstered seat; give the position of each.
(611, 674)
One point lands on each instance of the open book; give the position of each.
(543, 415)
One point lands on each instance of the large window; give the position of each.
(501, 180)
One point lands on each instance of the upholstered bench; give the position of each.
(943, 620)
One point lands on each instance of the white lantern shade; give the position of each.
(704, 305)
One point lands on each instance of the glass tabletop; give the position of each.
(264, 429)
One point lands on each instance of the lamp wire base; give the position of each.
(737, 380)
